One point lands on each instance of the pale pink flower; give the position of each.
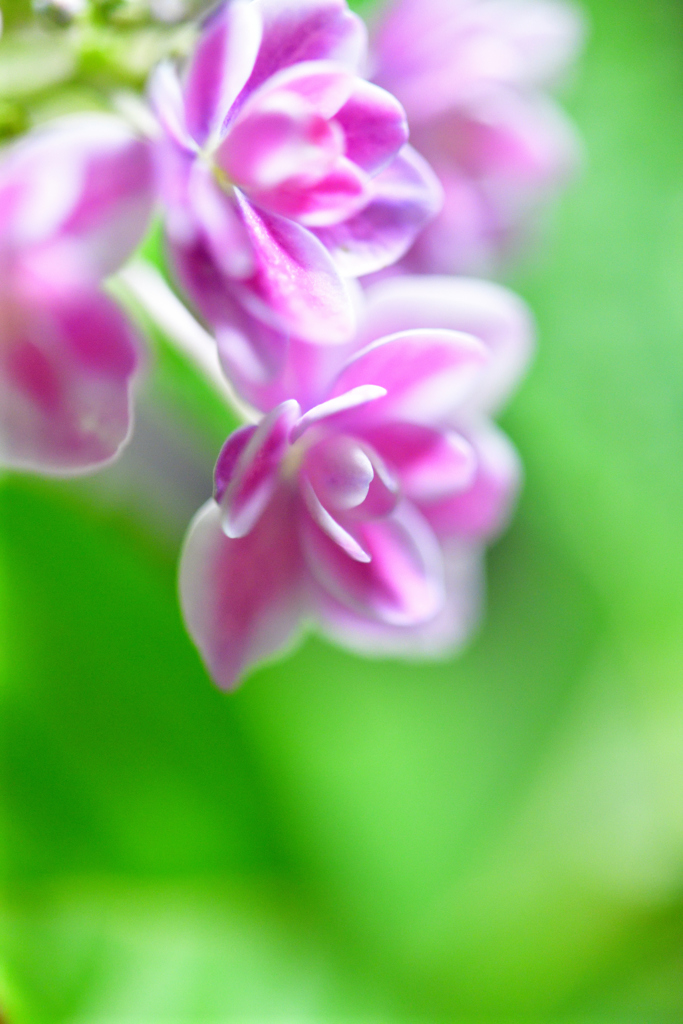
(473, 76)
(75, 199)
(282, 170)
(362, 501)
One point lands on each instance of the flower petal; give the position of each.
(489, 312)
(166, 98)
(499, 159)
(506, 137)
(431, 464)
(402, 584)
(303, 372)
(331, 527)
(351, 481)
(256, 470)
(65, 375)
(229, 457)
(251, 352)
(85, 187)
(325, 86)
(297, 287)
(374, 124)
(222, 224)
(436, 638)
(383, 493)
(407, 194)
(350, 399)
(287, 154)
(432, 54)
(339, 471)
(331, 200)
(222, 62)
(482, 510)
(436, 55)
(242, 600)
(284, 138)
(427, 375)
(307, 30)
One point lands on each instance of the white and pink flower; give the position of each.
(363, 500)
(75, 199)
(473, 76)
(283, 171)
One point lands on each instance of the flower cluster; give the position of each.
(363, 500)
(473, 77)
(362, 497)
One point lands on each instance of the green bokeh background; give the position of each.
(490, 840)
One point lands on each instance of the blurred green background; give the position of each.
(492, 840)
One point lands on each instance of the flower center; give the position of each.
(296, 453)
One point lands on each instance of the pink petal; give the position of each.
(507, 136)
(324, 85)
(339, 472)
(228, 458)
(333, 199)
(344, 483)
(482, 510)
(174, 166)
(86, 185)
(12, 188)
(251, 357)
(467, 237)
(430, 464)
(221, 223)
(349, 476)
(384, 491)
(296, 288)
(65, 375)
(242, 600)
(166, 99)
(374, 125)
(303, 373)
(304, 31)
(498, 159)
(496, 316)
(427, 375)
(256, 472)
(286, 153)
(114, 206)
(251, 352)
(351, 399)
(437, 638)
(221, 64)
(407, 194)
(35, 200)
(284, 138)
(403, 582)
(333, 529)
(436, 55)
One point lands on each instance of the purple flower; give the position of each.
(473, 75)
(363, 500)
(282, 170)
(74, 201)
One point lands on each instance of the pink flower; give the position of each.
(75, 198)
(282, 170)
(362, 502)
(473, 75)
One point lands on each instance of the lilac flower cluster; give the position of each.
(362, 498)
